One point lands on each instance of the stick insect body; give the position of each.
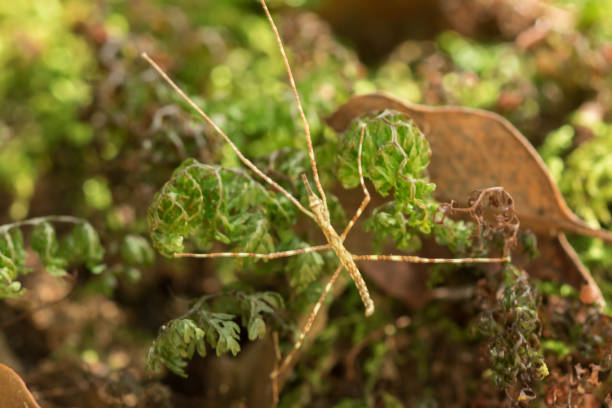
(318, 211)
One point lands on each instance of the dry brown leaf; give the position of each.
(13, 391)
(475, 149)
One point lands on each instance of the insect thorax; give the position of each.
(321, 214)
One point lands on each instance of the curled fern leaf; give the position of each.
(177, 342)
(394, 158)
(395, 155)
(210, 203)
(83, 245)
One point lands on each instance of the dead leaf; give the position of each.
(475, 149)
(594, 376)
(13, 391)
(557, 260)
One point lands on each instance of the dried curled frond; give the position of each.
(492, 209)
(580, 387)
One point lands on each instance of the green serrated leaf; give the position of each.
(254, 307)
(205, 203)
(201, 347)
(182, 337)
(11, 246)
(12, 256)
(304, 268)
(136, 250)
(88, 244)
(44, 242)
(395, 156)
(256, 329)
(9, 288)
(83, 245)
(273, 299)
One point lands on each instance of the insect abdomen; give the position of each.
(346, 260)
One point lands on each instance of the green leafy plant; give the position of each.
(511, 323)
(395, 156)
(182, 337)
(202, 202)
(80, 245)
(85, 131)
(210, 203)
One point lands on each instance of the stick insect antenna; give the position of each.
(242, 158)
(313, 162)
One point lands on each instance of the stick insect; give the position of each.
(317, 210)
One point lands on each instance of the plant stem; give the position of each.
(39, 220)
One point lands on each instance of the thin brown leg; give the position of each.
(366, 199)
(307, 326)
(241, 156)
(277, 354)
(311, 154)
(418, 259)
(272, 255)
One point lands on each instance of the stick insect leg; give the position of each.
(276, 365)
(311, 155)
(366, 199)
(241, 156)
(308, 325)
(272, 255)
(418, 259)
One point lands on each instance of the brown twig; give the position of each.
(241, 156)
(311, 155)
(277, 354)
